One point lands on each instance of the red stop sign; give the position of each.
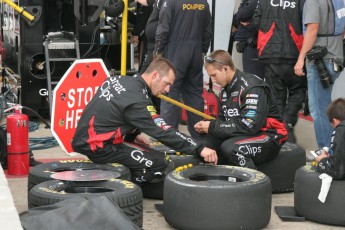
(71, 95)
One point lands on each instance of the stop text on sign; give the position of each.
(77, 99)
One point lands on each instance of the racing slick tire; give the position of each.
(217, 197)
(42, 172)
(281, 170)
(307, 204)
(155, 190)
(125, 194)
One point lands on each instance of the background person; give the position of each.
(318, 17)
(246, 36)
(183, 35)
(279, 43)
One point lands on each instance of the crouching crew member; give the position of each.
(109, 128)
(249, 129)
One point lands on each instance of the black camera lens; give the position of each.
(317, 53)
(325, 77)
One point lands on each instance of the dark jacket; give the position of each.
(280, 35)
(181, 21)
(244, 14)
(334, 165)
(121, 108)
(247, 108)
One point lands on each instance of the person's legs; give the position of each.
(274, 76)
(297, 88)
(319, 99)
(169, 112)
(146, 164)
(192, 96)
(251, 63)
(246, 151)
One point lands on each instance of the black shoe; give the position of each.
(291, 133)
(32, 160)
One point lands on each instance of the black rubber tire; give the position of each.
(203, 197)
(307, 204)
(281, 170)
(41, 173)
(125, 194)
(155, 191)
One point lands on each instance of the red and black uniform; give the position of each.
(280, 40)
(334, 165)
(249, 129)
(119, 111)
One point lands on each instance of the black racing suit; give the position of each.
(119, 111)
(334, 165)
(184, 32)
(249, 129)
(280, 40)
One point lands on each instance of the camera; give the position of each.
(241, 45)
(316, 54)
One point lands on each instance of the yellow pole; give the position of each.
(190, 109)
(20, 10)
(124, 38)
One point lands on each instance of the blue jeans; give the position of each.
(319, 99)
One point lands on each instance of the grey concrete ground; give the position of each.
(153, 220)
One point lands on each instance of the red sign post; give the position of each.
(73, 92)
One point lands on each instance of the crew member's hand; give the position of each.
(299, 67)
(141, 140)
(135, 39)
(209, 155)
(321, 156)
(202, 126)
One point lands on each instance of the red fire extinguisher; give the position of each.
(17, 142)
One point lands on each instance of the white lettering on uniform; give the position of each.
(190, 140)
(283, 4)
(138, 156)
(250, 150)
(230, 112)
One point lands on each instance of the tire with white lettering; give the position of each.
(281, 170)
(125, 194)
(307, 204)
(217, 197)
(155, 191)
(42, 172)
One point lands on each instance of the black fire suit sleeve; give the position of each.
(153, 125)
(251, 118)
(207, 34)
(163, 29)
(334, 165)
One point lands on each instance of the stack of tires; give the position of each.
(281, 170)
(307, 189)
(43, 190)
(217, 197)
